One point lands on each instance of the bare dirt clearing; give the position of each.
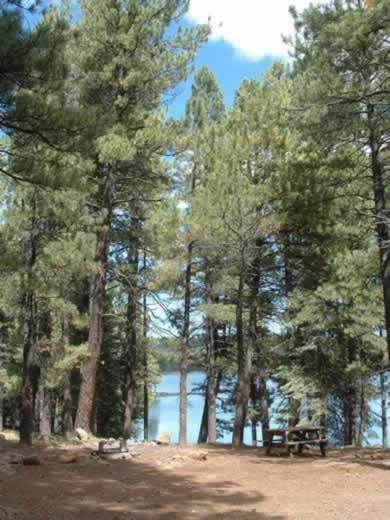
(169, 483)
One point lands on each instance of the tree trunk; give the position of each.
(184, 349)
(244, 361)
(67, 390)
(383, 409)
(27, 397)
(263, 403)
(323, 412)
(85, 411)
(203, 430)
(349, 398)
(362, 413)
(1, 408)
(131, 381)
(146, 373)
(254, 402)
(211, 385)
(382, 218)
(44, 413)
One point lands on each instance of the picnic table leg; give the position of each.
(323, 449)
(289, 448)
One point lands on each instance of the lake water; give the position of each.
(164, 412)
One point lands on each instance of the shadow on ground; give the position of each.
(132, 490)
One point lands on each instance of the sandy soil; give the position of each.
(166, 483)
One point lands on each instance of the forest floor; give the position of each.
(172, 483)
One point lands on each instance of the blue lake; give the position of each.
(164, 412)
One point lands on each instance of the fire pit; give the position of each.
(113, 450)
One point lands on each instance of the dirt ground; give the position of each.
(166, 483)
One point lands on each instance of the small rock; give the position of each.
(199, 455)
(31, 461)
(134, 454)
(82, 434)
(67, 459)
(163, 438)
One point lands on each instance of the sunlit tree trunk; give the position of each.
(85, 417)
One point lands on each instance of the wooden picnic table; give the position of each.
(297, 437)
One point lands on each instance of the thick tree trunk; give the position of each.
(203, 430)
(68, 417)
(383, 409)
(85, 417)
(382, 218)
(1, 408)
(44, 412)
(263, 403)
(323, 412)
(185, 340)
(131, 380)
(203, 436)
(27, 397)
(244, 361)
(362, 413)
(146, 371)
(67, 390)
(211, 385)
(254, 402)
(350, 396)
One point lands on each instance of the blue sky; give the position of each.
(246, 38)
(229, 68)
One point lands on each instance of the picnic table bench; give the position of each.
(297, 437)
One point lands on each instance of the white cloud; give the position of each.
(253, 27)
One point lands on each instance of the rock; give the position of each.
(67, 459)
(199, 455)
(163, 438)
(82, 434)
(3, 437)
(31, 461)
(134, 454)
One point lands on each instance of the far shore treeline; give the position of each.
(251, 241)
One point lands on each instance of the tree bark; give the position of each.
(1, 408)
(27, 397)
(67, 390)
(203, 430)
(211, 384)
(184, 348)
(263, 403)
(254, 401)
(131, 380)
(383, 409)
(382, 217)
(85, 417)
(44, 412)
(244, 361)
(146, 372)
